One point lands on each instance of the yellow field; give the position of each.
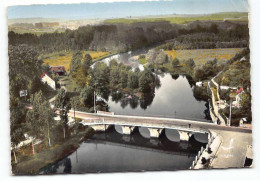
(201, 56)
(57, 59)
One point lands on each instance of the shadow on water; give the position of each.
(111, 151)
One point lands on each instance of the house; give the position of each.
(223, 87)
(58, 70)
(199, 84)
(48, 80)
(239, 92)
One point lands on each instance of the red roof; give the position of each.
(43, 74)
(239, 90)
(58, 69)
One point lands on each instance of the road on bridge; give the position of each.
(154, 122)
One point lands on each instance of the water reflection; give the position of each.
(173, 96)
(114, 152)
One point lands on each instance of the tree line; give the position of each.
(123, 37)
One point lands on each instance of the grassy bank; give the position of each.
(51, 155)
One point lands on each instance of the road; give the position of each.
(232, 151)
(154, 122)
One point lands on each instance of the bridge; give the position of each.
(155, 125)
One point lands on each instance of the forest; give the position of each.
(125, 37)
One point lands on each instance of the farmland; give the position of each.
(201, 56)
(64, 58)
(182, 19)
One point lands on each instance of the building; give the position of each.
(48, 80)
(58, 70)
(239, 92)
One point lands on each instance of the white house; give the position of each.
(47, 79)
(199, 84)
(239, 92)
(223, 87)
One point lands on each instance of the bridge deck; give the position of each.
(153, 122)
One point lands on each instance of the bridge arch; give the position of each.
(144, 132)
(172, 135)
(200, 137)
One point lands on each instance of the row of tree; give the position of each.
(123, 37)
(39, 122)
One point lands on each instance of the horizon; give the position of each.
(126, 9)
(132, 16)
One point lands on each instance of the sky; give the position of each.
(126, 9)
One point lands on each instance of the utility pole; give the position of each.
(230, 108)
(95, 101)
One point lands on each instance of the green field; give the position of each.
(36, 32)
(201, 56)
(64, 58)
(230, 16)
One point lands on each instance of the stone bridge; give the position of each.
(155, 125)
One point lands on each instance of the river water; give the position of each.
(114, 152)
(173, 99)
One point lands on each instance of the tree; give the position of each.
(87, 96)
(100, 78)
(123, 78)
(175, 62)
(190, 63)
(79, 77)
(33, 125)
(151, 56)
(86, 64)
(132, 82)
(62, 104)
(40, 119)
(145, 81)
(114, 76)
(246, 105)
(161, 58)
(213, 28)
(16, 127)
(113, 63)
(75, 61)
(46, 118)
(24, 68)
(199, 74)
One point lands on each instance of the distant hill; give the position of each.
(183, 19)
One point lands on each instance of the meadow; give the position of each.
(201, 56)
(64, 58)
(230, 16)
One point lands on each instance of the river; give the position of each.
(173, 99)
(115, 152)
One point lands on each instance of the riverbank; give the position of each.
(48, 156)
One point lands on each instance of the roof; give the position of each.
(44, 73)
(239, 90)
(58, 69)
